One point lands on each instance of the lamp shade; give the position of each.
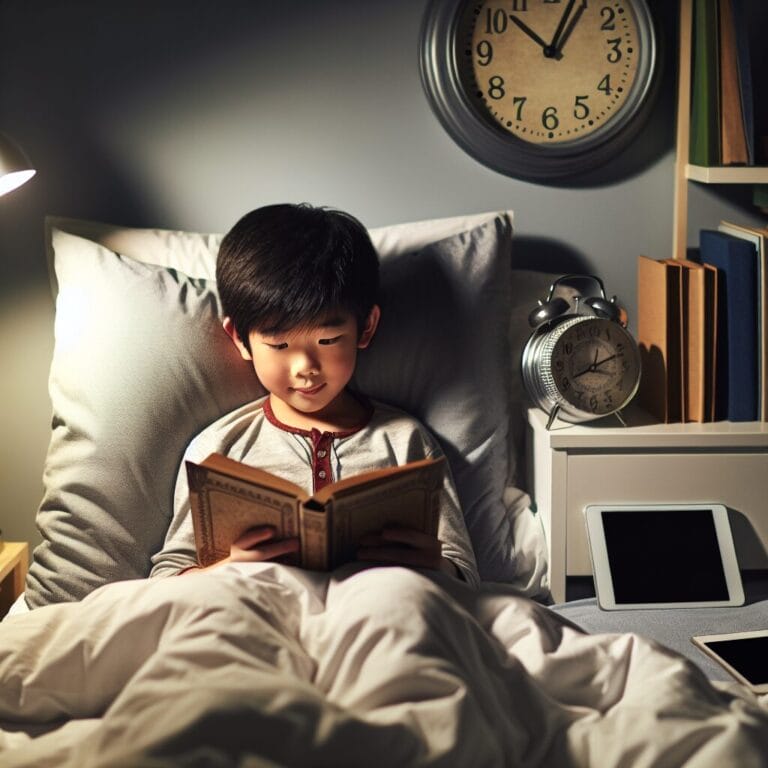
(15, 167)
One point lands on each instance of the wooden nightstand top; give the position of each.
(14, 560)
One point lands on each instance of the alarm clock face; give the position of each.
(595, 366)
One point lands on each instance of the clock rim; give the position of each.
(504, 152)
(534, 375)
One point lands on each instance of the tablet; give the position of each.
(663, 556)
(743, 654)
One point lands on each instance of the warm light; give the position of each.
(10, 181)
(15, 166)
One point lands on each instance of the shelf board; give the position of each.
(727, 174)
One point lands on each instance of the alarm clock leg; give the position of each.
(552, 416)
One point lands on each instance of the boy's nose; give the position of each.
(305, 365)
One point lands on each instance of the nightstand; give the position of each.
(603, 462)
(14, 560)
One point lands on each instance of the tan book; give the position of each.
(733, 137)
(659, 321)
(229, 497)
(697, 340)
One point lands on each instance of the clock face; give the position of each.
(596, 366)
(540, 89)
(549, 71)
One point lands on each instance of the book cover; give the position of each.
(759, 238)
(744, 62)
(705, 91)
(228, 498)
(735, 260)
(659, 338)
(733, 137)
(698, 285)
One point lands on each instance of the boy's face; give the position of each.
(307, 370)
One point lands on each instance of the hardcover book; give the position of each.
(698, 339)
(705, 90)
(737, 355)
(733, 131)
(659, 327)
(759, 238)
(229, 497)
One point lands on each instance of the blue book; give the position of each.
(736, 357)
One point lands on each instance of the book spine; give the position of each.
(733, 138)
(315, 555)
(741, 37)
(736, 385)
(705, 95)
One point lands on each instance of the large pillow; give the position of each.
(141, 364)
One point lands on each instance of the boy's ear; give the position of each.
(371, 323)
(229, 327)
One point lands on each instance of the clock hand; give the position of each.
(561, 25)
(591, 369)
(604, 360)
(567, 32)
(547, 49)
(594, 365)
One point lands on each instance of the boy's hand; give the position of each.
(405, 546)
(259, 544)
(254, 546)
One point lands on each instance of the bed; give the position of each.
(266, 665)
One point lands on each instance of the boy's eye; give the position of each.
(329, 341)
(280, 345)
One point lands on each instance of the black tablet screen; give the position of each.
(747, 655)
(664, 556)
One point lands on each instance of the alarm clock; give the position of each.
(581, 362)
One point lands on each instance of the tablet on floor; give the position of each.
(663, 556)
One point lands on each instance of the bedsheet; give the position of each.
(266, 665)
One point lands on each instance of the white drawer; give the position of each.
(737, 480)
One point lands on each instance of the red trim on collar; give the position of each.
(272, 419)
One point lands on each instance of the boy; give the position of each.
(299, 288)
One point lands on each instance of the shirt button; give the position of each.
(322, 453)
(321, 474)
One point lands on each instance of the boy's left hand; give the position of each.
(405, 546)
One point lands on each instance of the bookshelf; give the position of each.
(684, 171)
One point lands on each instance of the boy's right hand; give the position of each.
(259, 544)
(256, 545)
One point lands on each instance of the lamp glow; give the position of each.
(15, 166)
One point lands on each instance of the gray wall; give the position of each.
(187, 114)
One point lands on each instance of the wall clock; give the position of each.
(581, 362)
(539, 89)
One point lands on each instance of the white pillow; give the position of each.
(141, 364)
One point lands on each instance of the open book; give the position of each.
(229, 497)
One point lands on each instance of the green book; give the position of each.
(705, 91)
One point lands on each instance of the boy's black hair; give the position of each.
(288, 266)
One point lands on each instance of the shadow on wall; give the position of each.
(542, 254)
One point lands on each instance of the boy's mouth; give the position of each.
(308, 391)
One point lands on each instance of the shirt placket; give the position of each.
(322, 474)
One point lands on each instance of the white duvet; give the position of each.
(264, 665)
